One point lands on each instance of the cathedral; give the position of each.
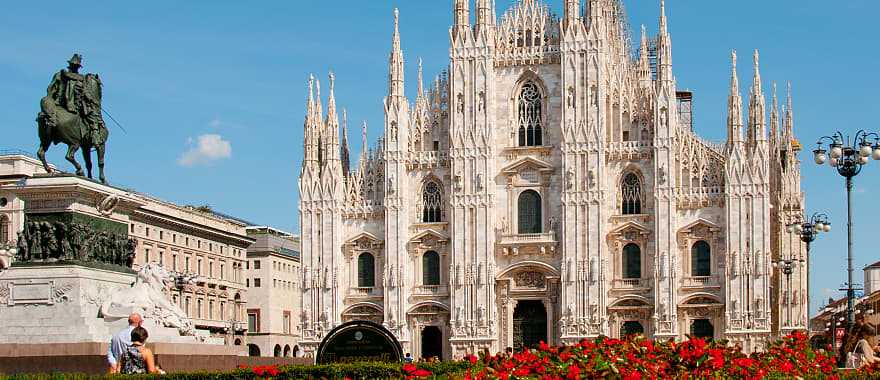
(549, 186)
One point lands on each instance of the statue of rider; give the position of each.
(67, 92)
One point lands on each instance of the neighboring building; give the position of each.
(183, 239)
(872, 278)
(197, 241)
(549, 186)
(273, 292)
(14, 166)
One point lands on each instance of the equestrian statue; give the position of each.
(70, 113)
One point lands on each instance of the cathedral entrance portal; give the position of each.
(432, 342)
(529, 324)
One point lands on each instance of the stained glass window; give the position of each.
(631, 195)
(432, 201)
(530, 102)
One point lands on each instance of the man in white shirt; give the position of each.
(120, 342)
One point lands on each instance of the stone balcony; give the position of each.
(700, 283)
(431, 291)
(541, 244)
(427, 159)
(365, 292)
(632, 284)
(629, 150)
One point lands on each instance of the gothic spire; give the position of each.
(365, 149)
(344, 152)
(644, 59)
(421, 88)
(788, 123)
(757, 107)
(774, 119)
(461, 13)
(664, 47)
(309, 137)
(332, 117)
(734, 106)
(572, 9)
(395, 62)
(485, 12)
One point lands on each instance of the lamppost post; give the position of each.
(848, 157)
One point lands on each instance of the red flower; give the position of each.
(409, 367)
(543, 346)
(574, 372)
(472, 358)
(524, 371)
(421, 373)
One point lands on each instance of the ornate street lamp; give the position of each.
(181, 280)
(848, 157)
(807, 230)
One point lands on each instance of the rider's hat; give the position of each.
(76, 60)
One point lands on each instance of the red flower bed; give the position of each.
(639, 358)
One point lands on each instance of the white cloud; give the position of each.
(208, 148)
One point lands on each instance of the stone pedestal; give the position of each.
(47, 311)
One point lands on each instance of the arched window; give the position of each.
(366, 270)
(529, 208)
(631, 195)
(277, 351)
(432, 201)
(701, 259)
(5, 234)
(529, 104)
(632, 261)
(431, 268)
(253, 350)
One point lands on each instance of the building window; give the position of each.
(146, 256)
(186, 262)
(210, 309)
(161, 234)
(199, 266)
(222, 311)
(631, 195)
(529, 209)
(436, 145)
(256, 282)
(632, 261)
(5, 234)
(701, 259)
(210, 268)
(148, 231)
(431, 268)
(366, 270)
(174, 238)
(432, 202)
(162, 258)
(186, 307)
(529, 117)
(132, 228)
(252, 323)
(222, 275)
(174, 263)
(285, 324)
(702, 328)
(199, 308)
(256, 264)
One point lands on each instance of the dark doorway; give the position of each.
(529, 324)
(631, 328)
(702, 328)
(432, 342)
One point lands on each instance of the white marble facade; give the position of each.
(546, 186)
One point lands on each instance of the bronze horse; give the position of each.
(73, 129)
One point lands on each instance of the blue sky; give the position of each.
(212, 94)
